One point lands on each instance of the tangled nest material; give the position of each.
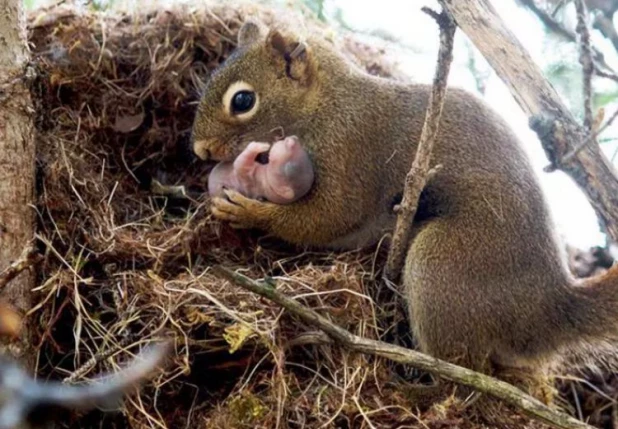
(127, 250)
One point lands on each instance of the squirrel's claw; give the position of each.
(241, 212)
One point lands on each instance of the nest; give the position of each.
(127, 251)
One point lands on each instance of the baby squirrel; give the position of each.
(485, 277)
(286, 176)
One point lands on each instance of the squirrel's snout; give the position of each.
(213, 149)
(200, 147)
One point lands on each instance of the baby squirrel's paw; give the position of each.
(242, 212)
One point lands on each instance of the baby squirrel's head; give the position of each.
(264, 87)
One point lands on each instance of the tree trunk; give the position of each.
(16, 162)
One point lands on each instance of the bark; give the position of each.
(553, 122)
(16, 162)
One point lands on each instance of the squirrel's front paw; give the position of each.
(241, 212)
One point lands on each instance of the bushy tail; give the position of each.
(588, 319)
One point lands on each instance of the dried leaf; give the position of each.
(126, 124)
(158, 188)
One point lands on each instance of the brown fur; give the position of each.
(484, 275)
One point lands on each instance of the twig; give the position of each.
(549, 117)
(601, 68)
(316, 338)
(27, 258)
(591, 137)
(100, 356)
(604, 23)
(559, 6)
(420, 173)
(561, 30)
(606, 75)
(585, 59)
(550, 22)
(478, 381)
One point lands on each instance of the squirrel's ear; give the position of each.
(250, 32)
(299, 62)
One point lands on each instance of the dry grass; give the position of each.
(126, 260)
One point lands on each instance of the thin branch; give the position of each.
(478, 381)
(559, 6)
(606, 75)
(420, 172)
(605, 25)
(100, 356)
(28, 258)
(550, 22)
(591, 138)
(585, 59)
(568, 34)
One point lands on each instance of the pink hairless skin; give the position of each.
(286, 177)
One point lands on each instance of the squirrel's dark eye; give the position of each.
(243, 101)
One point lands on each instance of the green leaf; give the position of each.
(604, 98)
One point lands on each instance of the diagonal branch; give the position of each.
(549, 117)
(481, 382)
(568, 34)
(604, 23)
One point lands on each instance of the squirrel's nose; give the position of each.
(200, 149)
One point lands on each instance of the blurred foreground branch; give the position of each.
(25, 399)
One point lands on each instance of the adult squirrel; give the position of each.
(485, 276)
